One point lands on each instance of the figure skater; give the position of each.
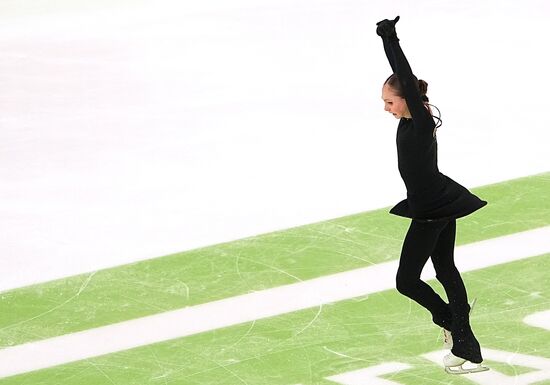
(434, 202)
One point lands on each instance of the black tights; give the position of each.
(437, 239)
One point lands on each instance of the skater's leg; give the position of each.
(465, 344)
(418, 245)
(446, 271)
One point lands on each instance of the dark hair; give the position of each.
(395, 84)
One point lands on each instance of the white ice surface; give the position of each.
(134, 131)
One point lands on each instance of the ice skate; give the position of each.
(456, 365)
(447, 335)
(447, 339)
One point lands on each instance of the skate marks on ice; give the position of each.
(540, 372)
(370, 375)
(253, 306)
(540, 366)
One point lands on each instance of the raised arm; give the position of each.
(401, 67)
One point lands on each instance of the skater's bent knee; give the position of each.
(406, 286)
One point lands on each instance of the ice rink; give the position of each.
(133, 130)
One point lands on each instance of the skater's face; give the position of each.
(394, 104)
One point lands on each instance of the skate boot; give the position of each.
(447, 339)
(466, 349)
(456, 365)
(448, 336)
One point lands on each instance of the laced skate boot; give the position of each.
(465, 349)
(458, 365)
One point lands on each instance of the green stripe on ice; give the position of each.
(256, 263)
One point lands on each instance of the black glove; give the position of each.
(386, 28)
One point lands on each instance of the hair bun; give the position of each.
(423, 87)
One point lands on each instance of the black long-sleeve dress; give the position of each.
(430, 194)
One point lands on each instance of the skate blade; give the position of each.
(462, 370)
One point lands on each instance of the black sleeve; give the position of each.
(409, 82)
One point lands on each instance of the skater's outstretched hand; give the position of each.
(386, 28)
